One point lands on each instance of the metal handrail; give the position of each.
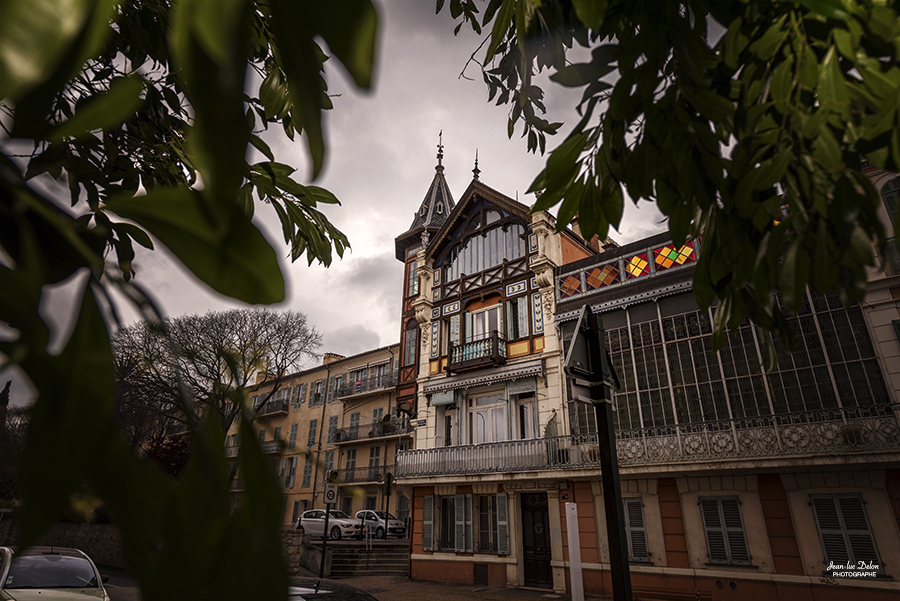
(392, 427)
(488, 346)
(827, 431)
(363, 473)
(364, 385)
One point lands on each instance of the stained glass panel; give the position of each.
(669, 255)
(602, 276)
(637, 266)
(570, 285)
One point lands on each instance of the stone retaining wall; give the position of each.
(103, 543)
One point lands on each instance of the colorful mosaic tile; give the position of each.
(435, 313)
(667, 256)
(637, 265)
(435, 339)
(569, 286)
(451, 308)
(532, 243)
(602, 276)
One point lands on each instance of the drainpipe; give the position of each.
(319, 442)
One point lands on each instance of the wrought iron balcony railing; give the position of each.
(363, 474)
(391, 427)
(274, 406)
(366, 385)
(490, 349)
(826, 432)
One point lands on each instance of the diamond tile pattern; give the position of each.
(667, 256)
(637, 265)
(602, 276)
(569, 286)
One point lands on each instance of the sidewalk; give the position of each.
(400, 588)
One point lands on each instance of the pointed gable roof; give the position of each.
(432, 213)
(476, 191)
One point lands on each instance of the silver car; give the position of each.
(49, 574)
(340, 525)
(381, 524)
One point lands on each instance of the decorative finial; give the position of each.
(476, 170)
(440, 154)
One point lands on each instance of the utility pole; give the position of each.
(593, 379)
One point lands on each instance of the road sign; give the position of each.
(330, 493)
(591, 375)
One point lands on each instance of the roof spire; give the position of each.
(476, 170)
(440, 155)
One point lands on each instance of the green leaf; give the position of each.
(833, 9)
(103, 110)
(349, 28)
(832, 90)
(69, 419)
(501, 26)
(794, 272)
(235, 260)
(33, 37)
(261, 146)
(591, 12)
(766, 46)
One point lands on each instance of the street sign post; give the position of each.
(330, 496)
(593, 379)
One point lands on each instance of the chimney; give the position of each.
(331, 358)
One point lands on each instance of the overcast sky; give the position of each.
(381, 158)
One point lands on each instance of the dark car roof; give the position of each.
(327, 589)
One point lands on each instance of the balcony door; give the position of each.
(480, 324)
(487, 419)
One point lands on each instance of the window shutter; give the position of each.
(284, 463)
(293, 472)
(862, 543)
(844, 529)
(469, 533)
(502, 524)
(725, 538)
(459, 508)
(428, 523)
(635, 530)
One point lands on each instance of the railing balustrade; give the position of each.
(365, 385)
(274, 406)
(489, 348)
(363, 473)
(379, 429)
(830, 431)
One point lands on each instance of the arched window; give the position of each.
(410, 341)
(486, 249)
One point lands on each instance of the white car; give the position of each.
(340, 525)
(381, 524)
(49, 574)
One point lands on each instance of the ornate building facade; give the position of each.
(737, 482)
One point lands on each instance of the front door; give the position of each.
(536, 540)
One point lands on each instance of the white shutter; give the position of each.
(428, 523)
(635, 529)
(459, 509)
(502, 524)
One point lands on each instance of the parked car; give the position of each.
(340, 524)
(381, 524)
(49, 574)
(320, 589)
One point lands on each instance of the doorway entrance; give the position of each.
(536, 540)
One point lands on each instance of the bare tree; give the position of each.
(207, 359)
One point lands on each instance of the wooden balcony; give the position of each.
(824, 433)
(487, 351)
